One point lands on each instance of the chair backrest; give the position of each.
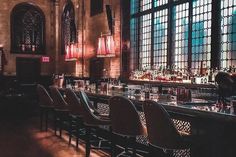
(161, 129)
(88, 117)
(73, 102)
(58, 99)
(125, 119)
(44, 98)
(90, 105)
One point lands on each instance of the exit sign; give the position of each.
(45, 59)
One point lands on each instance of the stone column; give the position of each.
(57, 34)
(83, 46)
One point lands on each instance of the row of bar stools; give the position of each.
(77, 111)
(163, 137)
(76, 119)
(124, 120)
(91, 120)
(83, 109)
(46, 106)
(61, 111)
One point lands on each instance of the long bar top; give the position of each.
(201, 109)
(172, 84)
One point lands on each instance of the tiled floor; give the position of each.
(22, 138)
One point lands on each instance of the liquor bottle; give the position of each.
(230, 69)
(234, 70)
(210, 75)
(215, 72)
(201, 68)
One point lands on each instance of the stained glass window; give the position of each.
(160, 38)
(228, 33)
(145, 23)
(201, 33)
(134, 42)
(158, 3)
(145, 42)
(134, 6)
(180, 35)
(68, 26)
(145, 5)
(27, 29)
(177, 32)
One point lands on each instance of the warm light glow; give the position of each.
(78, 68)
(45, 59)
(67, 52)
(110, 46)
(101, 52)
(106, 46)
(71, 52)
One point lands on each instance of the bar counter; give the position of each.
(172, 84)
(196, 108)
(212, 127)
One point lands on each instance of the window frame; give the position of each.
(19, 7)
(215, 32)
(69, 6)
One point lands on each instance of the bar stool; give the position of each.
(162, 133)
(125, 121)
(45, 104)
(91, 120)
(61, 109)
(91, 106)
(76, 113)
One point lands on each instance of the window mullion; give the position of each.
(138, 66)
(152, 35)
(170, 22)
(190, 34)
(215, 34)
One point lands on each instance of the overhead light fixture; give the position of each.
(72, 52)
(106, 46)
(101, 52)
(110, 45)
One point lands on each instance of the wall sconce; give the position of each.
(101, 52)
(72, 52)
(106, 46)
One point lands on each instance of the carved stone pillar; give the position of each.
(57, 35)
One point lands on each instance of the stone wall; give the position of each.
(96, 25)
(5, 12)
(93, 27)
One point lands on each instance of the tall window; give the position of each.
(68, 31)
(27, 29)
(179, 33)
(201, 33)
(228, 31)
(145, 41)
(160, 37)
(134, 35)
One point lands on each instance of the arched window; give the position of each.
(27, 29)
(68, 26)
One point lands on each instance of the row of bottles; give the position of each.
(203, 74)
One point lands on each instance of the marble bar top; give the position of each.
(199, 108)
(172, 84)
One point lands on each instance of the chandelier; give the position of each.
(106, 46)
(72, 52)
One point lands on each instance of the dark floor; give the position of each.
(21, 137)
